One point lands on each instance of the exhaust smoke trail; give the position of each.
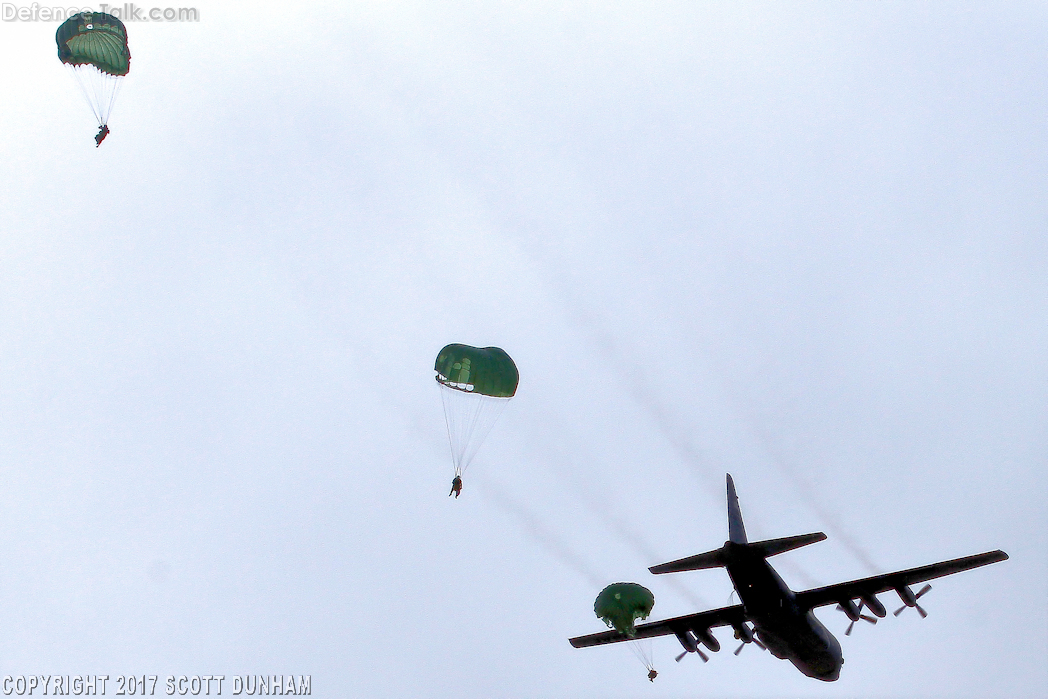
(808, 492)
(549, 542)
(636, 383)
(596, 499)
(622, 528)
(630, 372)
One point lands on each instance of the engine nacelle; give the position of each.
(874, 605)
(743, 633)
(907, 596)
(686, 640)
(850, 608)
(708, 640)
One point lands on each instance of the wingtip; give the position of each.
(659, 569)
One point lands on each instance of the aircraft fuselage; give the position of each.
(788, 631)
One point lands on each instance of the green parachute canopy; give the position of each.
(475, 385)
(621, 604)
(94, 47)
(488, 371)
(97, 39)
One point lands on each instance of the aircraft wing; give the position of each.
(892, 581)
(725, 616)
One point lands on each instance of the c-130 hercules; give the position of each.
(782, 620)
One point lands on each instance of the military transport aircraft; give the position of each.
(782, 620)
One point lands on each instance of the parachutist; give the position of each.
(620, 605)
(456, 487)
(94, 47)
(475, 385)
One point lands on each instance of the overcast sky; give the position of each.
(801, 242)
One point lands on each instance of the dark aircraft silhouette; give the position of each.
(782, 620)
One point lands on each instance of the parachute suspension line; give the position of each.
(486, 417)
(468, 414)
(461, 417)
(115, 83)
(87, 88)
(451, 440)
(642, 650)
(98, 89)
(469, 417)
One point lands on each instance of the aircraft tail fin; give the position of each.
(736, 529)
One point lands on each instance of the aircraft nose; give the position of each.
(831, 676)
(829, 672)
(827, 669)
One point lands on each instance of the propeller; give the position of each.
(756, 642)
(705, 658)
(864, 617)
(746, 636)
(920, 609)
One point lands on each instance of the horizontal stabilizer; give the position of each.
(772, 547)
(710, 559)
(733, 552)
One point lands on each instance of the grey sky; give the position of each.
(804, 243)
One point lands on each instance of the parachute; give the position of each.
(475, 385)
(94, 47)
(620, 605)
